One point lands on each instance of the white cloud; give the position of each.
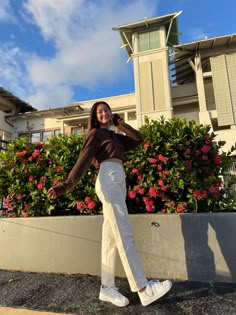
(5, 10)
(86, 48)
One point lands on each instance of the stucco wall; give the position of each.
(190, 246)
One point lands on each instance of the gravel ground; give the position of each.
(78, 294)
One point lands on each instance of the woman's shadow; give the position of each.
(204, 250)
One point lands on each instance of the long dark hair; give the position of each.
(93, 122)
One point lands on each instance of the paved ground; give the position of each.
(78, 294)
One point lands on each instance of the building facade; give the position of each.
(194, 80)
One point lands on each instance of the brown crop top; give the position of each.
(100, 144)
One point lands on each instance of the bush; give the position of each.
(179, 168)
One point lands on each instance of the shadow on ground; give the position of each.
(78, 294)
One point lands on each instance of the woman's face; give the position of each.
(103, 115)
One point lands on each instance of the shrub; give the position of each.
(179, 168)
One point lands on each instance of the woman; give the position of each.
(107, 149)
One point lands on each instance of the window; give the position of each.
(132, 116)
(35, 137)
(57, 132)
(77, 131)
(46, 135)
(149, 40)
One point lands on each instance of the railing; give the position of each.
(231, 172)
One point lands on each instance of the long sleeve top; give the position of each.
(100, 144)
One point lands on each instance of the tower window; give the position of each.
(149, 40)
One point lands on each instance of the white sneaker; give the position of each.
(154, 290)
(114, 296)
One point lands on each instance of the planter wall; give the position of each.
(178, 246)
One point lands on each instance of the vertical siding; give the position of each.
(146, 86)
(158, 85)
(222, 90)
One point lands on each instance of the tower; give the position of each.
(147, 42)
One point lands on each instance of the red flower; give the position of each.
(217, 159)
(80, 205)
(163, 210)
(131, 194)
(146, 144)
(30, 158)
(197, 194)
(135, 171)
(91, 204)
(159, 167)
(36, 153)
(141, 191)
(40, 185)
(59, 168)
(140, 177)
(136, 187)
(188, 164)
(19, 197)
(208, 140)
(162, 158)
(24, 215)
(153, 192)
(197, 152)
(26, 207)
(205, 148)
(152, 160)
(160, 182)
(55, 181)
(21, 154)
(187, 152)
(87, 200)
(31, 178)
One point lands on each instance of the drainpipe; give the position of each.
(5, 118)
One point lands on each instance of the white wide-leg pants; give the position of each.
(117, 233)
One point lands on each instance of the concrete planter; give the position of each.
(178, 246)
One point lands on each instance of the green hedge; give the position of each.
(179, 168)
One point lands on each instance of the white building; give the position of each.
(193, 80)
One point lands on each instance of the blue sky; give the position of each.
(56, 52)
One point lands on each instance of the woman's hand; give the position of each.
(52, 193)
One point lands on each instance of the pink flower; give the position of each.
(26, 207)
(152, 160)
(40, 185)
(160, 182)
(24, 215)
(140, 177)
(59, 168)
(55, 181)
(197, 194)
(79, 205)
(31, 178)
(208, 140)
(205, 148)
(187, 152)
(180, 208)
(188, 164)
(91, 204)
(146, 144)
(30, 158)
(163, 188)
(141, 191)
(36, 153)
(163, 210)
(149, 208)
(43, 179)
(162, 158)
(135, 171)
(204, 194)
(21, 154)
(205, 157)
(87, 200)
(131, 194)
(19, 197)
(159, 167)
(136, 187)
(153, 191)
(197, 152)
(217, 159)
